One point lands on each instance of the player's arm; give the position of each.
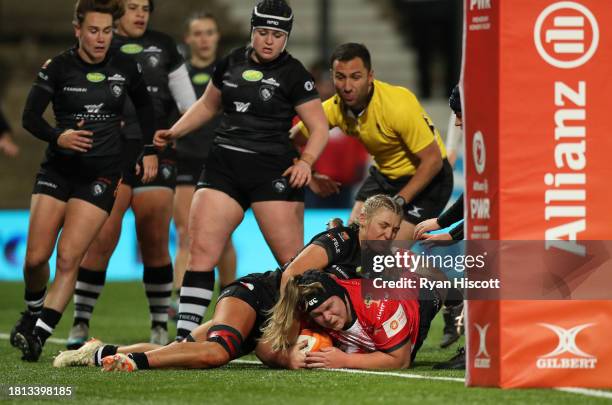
(311, 257)
(332, 357)
(311, 113)
(292, 358)
(430, 163)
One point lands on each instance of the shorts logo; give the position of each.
(95, 77)
(131, 49)
(280, 185)
(200, 79)
(46, 184)
(98, 188)
(252, 75)
(266, 92)
(166, 171)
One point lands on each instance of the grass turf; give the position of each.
(122, 316)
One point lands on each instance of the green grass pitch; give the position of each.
(122, 317)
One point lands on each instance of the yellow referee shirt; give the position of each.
(393, 127)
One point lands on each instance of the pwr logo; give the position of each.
(567, 345)
(566, 34)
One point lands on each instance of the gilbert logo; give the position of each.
(483, 359)
(567, 345)
(566, 34)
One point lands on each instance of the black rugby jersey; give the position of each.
(259, 100)
(343, 249)
(197, 143)
(93, 93)
(157, 55)
(4, 125)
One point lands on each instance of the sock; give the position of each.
(88, 288)
(34, 301)
(46, 323)
(102, 352)
(158, 286)
(196, 294)
(142, 363)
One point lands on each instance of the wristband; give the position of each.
(149, 150)
(399, 200)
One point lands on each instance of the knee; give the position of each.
(36, 259)
(67, 260)
(215, 356)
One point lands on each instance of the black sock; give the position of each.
(196, 294)
(88, 288)
(34, 300)
(102, 352)
(158, 286)
(454, 297)
(140, 359)
(45, 325)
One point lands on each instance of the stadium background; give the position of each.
(401, 34)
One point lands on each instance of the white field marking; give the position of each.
(570, 390)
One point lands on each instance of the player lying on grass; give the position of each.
(367, 333)
(244, 306)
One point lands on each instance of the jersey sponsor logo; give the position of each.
(154, 49)
(242, 107)
(266, 92)
(567, 345)
(252, 75)
(271, 81)
(566, 34)
(96, 77)
(131, 49)
(200, 78)
(335, 242)
(152, 89)
(309, 85)
(153, 60)
(68, 89)
(116, 77)
(94, 108)
(396, 323)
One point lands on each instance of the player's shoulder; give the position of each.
(395, 102)
(160, 39)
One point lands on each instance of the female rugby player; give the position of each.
(252, 162)
(244, 306)
(74, 190)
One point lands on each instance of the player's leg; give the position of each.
(282, 224)
(92, 271)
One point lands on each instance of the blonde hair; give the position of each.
(373, 204)
(290, 307)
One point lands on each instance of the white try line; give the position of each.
(571, 390)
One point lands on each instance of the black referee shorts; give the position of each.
(429, 203)
(249, 177)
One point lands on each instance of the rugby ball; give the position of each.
(316, 340)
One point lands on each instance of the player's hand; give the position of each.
(7, 146)
(323, 185)
(163, 137)
(299, 174)
(76, 139)
(425, 226)
(328, 357)
(149, 168)
(297, 357)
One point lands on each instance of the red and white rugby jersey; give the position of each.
(381, 325)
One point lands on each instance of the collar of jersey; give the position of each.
(88, 65)
(279, 59)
